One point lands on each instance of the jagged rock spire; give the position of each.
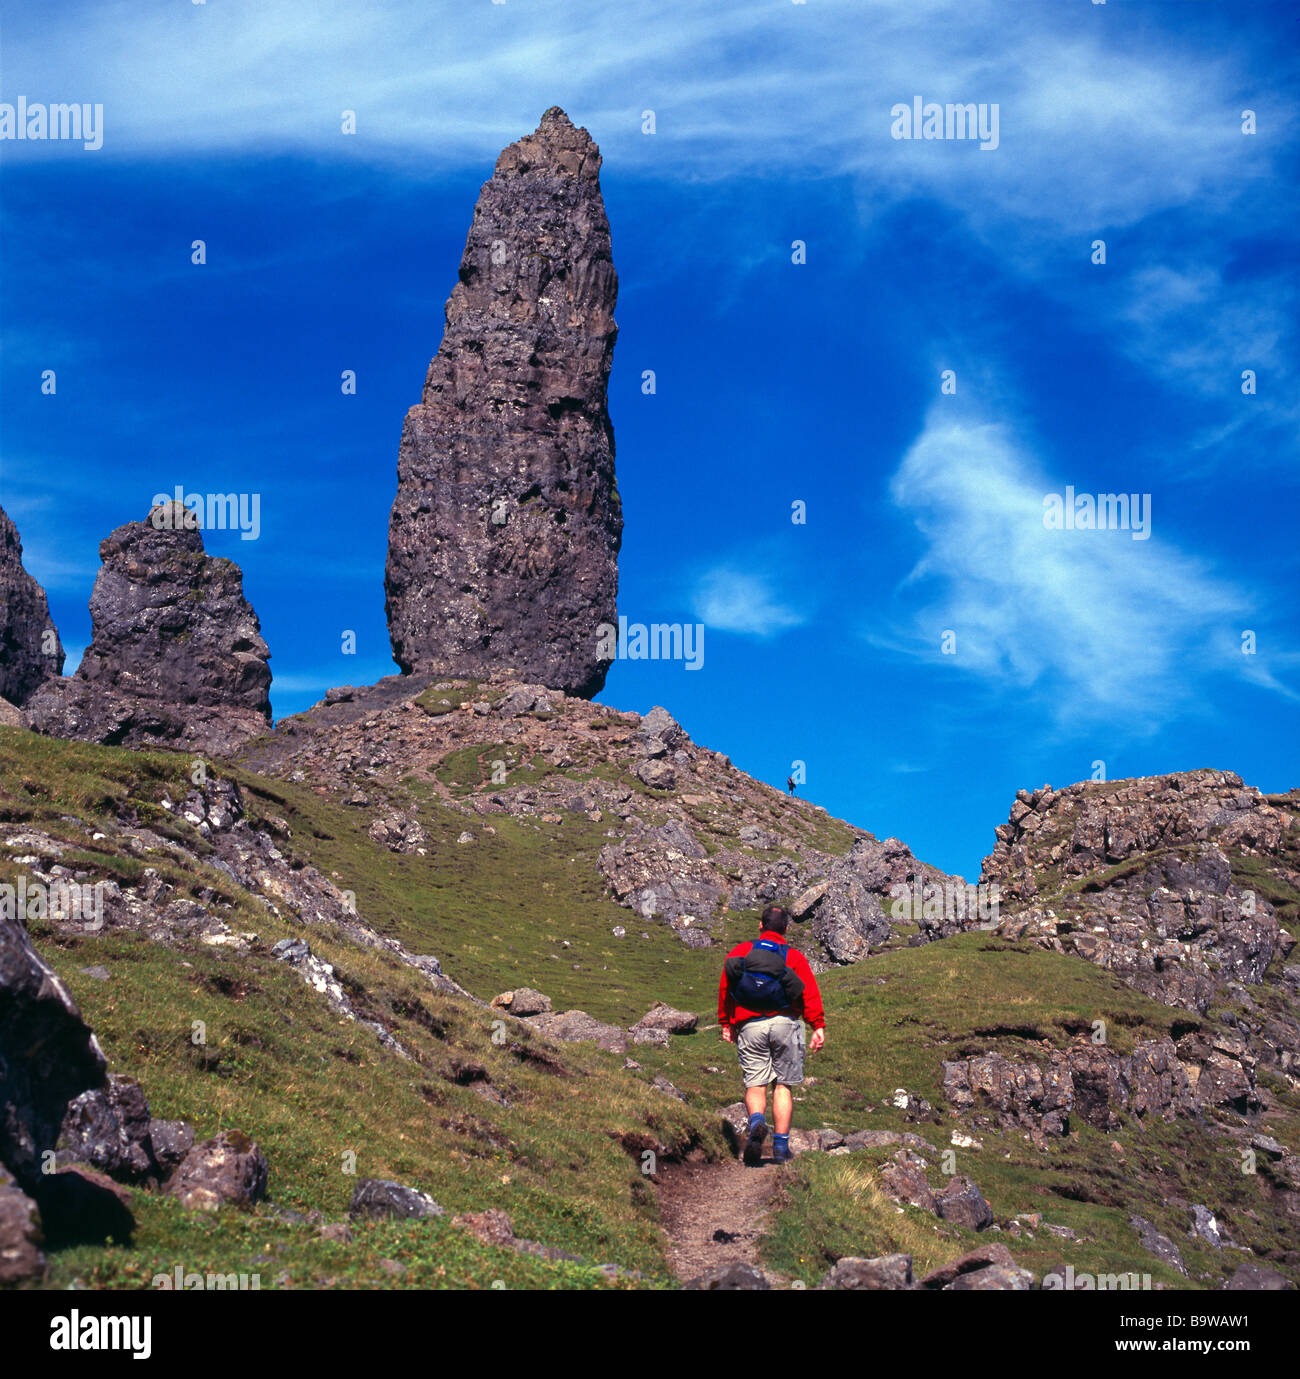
(30, 650)
(505, 531)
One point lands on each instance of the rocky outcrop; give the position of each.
(235, 852)
(504, 535)
(176, 657)
(1055, 835)
(48, 1054)
(1160, 1079)
(715, 845)
(30, 650)
(1177, 928)
(1178, 885)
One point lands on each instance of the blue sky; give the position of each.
(776, 382)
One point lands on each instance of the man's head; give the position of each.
(775, 918)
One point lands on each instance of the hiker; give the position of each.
(789, 784)
(767, 991)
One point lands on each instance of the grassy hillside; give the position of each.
(552, 1134)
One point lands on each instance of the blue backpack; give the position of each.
(760, 980)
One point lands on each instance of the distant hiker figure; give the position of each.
(766, 993)
(789, 784)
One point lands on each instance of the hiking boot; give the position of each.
(781, 1149)
(752, 1154)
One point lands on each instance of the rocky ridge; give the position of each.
(691, 839)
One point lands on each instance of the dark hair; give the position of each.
(775, 918)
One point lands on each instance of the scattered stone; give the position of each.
(1252, 1277)
(962, 1203)
(661, 1084)
(988, 1266)
(659, 725)
(903, 1179)
(884, 1273)
(659, 775)
(82, 1206)
(575, 1026)
(1206, 1227)
(491, 1227)
(169, 1142)
(662, 1016)
(228, 1169)
(379, 1197)
(731, 1278)
(109, 1129)
(523, 1000)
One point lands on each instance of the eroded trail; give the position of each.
(714, 1214)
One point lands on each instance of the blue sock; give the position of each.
(758, 1118)
(780, 1143)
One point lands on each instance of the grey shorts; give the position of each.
(771, 1050)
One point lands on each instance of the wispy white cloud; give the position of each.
(735, 87)
(1090, 621)
(1102, 125)
(733, 600)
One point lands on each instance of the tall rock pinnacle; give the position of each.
(176, 658)
(504, 535)
(30, 650)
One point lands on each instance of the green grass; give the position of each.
(320, 1096)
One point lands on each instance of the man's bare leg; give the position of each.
(756, 1106)
(782, 1108)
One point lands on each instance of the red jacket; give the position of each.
(809, 1005)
